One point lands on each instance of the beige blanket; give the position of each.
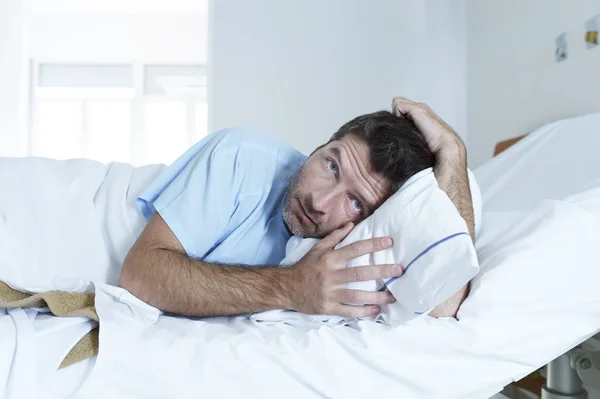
(60, 303)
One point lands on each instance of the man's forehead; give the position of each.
(357, 151)
(354, 141)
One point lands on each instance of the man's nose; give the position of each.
(323, 200)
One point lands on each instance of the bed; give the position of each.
(501, 336)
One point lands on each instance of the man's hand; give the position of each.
(450, 155)
(438, 134)
(317, 284)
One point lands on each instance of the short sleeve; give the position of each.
(196, 194)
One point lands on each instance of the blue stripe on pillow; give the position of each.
(435, 244)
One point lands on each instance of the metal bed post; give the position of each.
(562, 381)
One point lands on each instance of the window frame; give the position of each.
(138, 100)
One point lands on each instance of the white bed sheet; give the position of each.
(32, 346)
(145, 354)
(553, 162)
(498, 338)
(62, 224)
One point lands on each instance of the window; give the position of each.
(58, 133)
(166, 129)
(172, 93)
(108, 125)
(100, 112)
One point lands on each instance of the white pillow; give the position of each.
(431, 241)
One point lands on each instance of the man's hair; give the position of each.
(398, 149)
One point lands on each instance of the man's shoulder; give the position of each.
(256, 144)
(243, 136)
(258, 160)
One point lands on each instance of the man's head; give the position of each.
(345, 180)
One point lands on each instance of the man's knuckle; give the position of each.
(327, 309)
(354, 297)
(321, 304)
(383, 271)
(354, 250)
(380, 271)
(328, 257)
(381, 298)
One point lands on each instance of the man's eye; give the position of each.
(357, 205)
(332, 166)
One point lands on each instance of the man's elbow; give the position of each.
(450, 307)
(132, 279)
(127, 277)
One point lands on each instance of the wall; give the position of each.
(514, 83)
(302, 68)
(119, 37)
(14, 74)
(299, 68)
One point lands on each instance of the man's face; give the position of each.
(336, 185)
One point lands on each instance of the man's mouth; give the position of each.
(305, 214)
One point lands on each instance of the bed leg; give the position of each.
(562, 381)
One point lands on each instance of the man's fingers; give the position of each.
(351, 311)
(401, 100)
(402, 106)
(363, 247)
(367, 273)
(336, 236)
(357, 297)
(409, 109)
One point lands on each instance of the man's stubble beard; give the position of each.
(292, 223)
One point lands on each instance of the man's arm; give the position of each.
(158, 271)
(450, 172)
(452, 177)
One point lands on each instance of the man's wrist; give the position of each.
(286, 281)
(452, 151)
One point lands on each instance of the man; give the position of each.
(220, 216)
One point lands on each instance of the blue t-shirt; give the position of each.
(223, 199)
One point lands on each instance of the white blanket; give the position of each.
(500, 335)
(63, 224)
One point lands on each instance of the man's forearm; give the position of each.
(452, 177)
(175, 283)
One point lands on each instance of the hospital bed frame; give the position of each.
(567, 375)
